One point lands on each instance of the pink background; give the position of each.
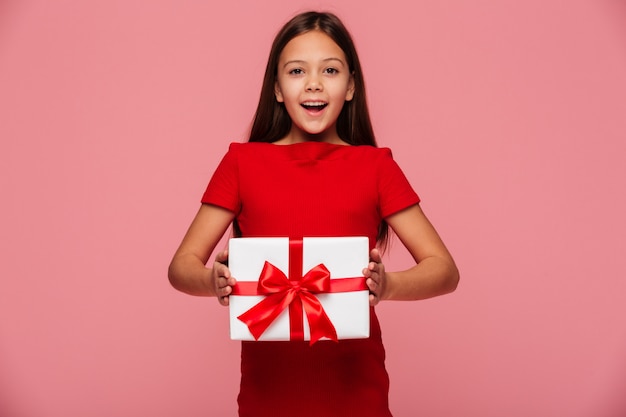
(509, 117)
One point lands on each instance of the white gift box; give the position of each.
(344, 257)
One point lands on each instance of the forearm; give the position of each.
(431, 277)
(187, 271)
(188, 274)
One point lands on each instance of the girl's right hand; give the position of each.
(222, 281)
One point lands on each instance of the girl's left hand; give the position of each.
(375, 277)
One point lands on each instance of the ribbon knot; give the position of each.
(281, 292)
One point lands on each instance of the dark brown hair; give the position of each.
(271, 120)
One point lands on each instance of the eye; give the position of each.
(331, 70)
(296, 71)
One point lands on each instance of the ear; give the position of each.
(278, 93)
(351, 88)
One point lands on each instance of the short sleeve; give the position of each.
(394, 190)
(223, 188)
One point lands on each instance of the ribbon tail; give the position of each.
(262, 315)
(319, 323)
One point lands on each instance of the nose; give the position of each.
(313, 84)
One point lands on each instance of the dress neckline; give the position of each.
(307, 150)
(310, 143)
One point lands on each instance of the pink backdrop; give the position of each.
(508, 117)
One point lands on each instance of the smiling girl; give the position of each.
(311, 168)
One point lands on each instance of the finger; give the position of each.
(375, 256)
(221, 270)
(373, 300)
(223, 295)
(222, 257)
(224, 300)
(226, 290)
(225, 282)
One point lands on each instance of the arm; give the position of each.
(434, 272)
(187, 271)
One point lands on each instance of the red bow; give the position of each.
(282, 293)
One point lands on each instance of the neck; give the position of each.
(299, 137)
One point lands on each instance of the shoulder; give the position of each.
(238, 151)
(244, 149)
(245, 146)
(377, 152)
(372, 153)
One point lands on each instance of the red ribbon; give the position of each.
(296, 293)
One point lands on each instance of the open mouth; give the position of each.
(314, 106)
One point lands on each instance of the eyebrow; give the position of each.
(301, 61)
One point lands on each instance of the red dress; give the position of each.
(311, 189)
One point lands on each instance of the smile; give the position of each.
(314, 105)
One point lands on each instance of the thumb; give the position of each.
(375, 256)
(222, 257)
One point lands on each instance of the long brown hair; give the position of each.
(271, 120)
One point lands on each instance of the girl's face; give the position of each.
(314, 82)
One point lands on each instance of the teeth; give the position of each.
(313, 103)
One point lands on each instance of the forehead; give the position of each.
(311, 46)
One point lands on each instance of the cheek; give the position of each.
(288, 93)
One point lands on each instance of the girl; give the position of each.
(312, 168)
